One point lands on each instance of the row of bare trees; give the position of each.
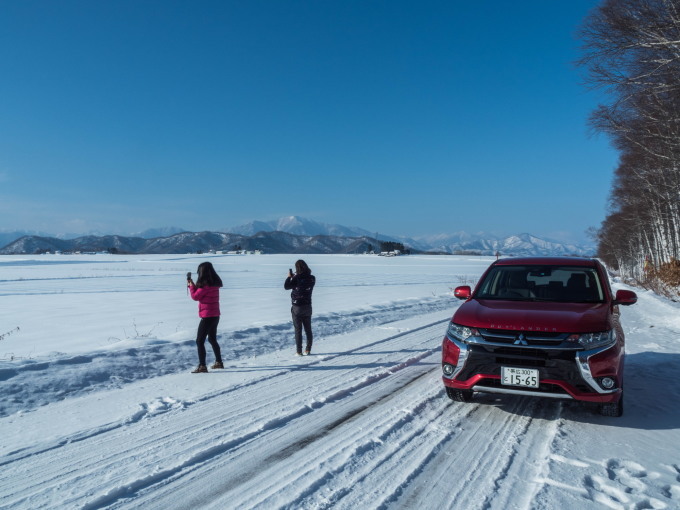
(632, 50)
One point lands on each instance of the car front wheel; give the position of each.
(613, 409)
(459, 395)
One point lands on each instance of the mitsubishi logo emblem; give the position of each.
(521, 340)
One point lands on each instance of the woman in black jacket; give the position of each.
(301, 284)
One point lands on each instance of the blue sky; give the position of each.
(400, 117)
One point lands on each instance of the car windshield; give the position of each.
(567, 284)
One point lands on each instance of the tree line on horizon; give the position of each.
(632, 50)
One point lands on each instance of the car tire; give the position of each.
(612, 409)
(459, 395)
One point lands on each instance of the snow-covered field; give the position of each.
(99, 408)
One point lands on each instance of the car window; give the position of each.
(542, 283)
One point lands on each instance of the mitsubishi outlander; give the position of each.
(540, 326)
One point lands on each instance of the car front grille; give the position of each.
(525, 338)
(520, 362)
(552, 363)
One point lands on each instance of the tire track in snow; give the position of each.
(145, 412)
(301, 437)
(408, 441)
(291, 444)
(38, 382)
(298, 446)
(528, 463)
(333, 458)
(487, 458)
(341, 450)
(142, 440)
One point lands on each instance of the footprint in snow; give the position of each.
(156, 407)
(629, 484)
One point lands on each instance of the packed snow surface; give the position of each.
(99, 408)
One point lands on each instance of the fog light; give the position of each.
(447, 369)
(607, 383)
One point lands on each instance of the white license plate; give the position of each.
(527, 377)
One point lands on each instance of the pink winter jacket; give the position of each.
(208, 300)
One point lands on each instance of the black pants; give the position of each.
(302, 318)
(208, 328)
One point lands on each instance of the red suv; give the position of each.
(543, 326)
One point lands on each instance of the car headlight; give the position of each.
(461, 332)
(594, 340)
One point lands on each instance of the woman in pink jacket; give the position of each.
(206, 291)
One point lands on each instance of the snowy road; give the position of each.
(334, 430)
(362, 423)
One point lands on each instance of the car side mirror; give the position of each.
(625, 297)
(463, 292)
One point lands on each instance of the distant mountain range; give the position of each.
(482, 242)
(521, 244)
(292, 234)
(193, 242)
(299, 226)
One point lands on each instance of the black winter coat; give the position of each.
(302, 286)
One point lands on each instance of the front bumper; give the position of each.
(564, 371)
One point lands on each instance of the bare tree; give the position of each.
(632, 50)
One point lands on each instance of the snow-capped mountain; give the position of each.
(193, 242)
(7, 237)
(456, 238)
(153, 233)
(481, 242)
(298, 226)
(169, 240)
(521, 244)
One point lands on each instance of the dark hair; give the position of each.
(301, 267)
(207, 277)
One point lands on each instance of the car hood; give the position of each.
(534, 316)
